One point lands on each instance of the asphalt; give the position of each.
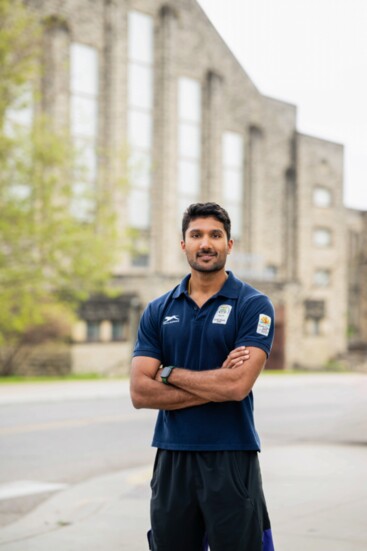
(316, 494)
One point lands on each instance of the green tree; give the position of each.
(51, 258)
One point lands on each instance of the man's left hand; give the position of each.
(236, 358)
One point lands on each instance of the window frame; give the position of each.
(189, 152)
(232, 166)
(318, 231)
(321, 188)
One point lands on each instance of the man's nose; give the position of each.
(205, 242)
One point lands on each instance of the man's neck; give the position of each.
(203, 285)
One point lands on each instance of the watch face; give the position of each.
(166, 371)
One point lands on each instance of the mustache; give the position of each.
(207, 252)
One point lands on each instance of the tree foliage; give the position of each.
(51, 258)
(20, 34)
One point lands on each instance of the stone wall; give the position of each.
(281, 167)
(357, 279)
(320, 165)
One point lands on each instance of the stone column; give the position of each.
(290, 227)
(212, 138)
(254, 198)
(164, 182)
(113, 148)
(113, 91)
(56, 72)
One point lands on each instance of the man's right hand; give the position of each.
(236, 358)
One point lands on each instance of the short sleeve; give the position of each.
(256, 324)
(148, 340)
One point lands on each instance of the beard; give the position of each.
(216, 266)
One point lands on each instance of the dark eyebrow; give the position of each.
(214, 230)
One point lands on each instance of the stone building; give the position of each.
(357, 278)
(155, 76)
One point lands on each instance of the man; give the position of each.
(199, 351)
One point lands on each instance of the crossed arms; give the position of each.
(233, 381)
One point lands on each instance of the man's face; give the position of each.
(206, 245)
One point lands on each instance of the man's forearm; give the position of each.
(188, 388)
(154, 394)
(217, 385)
(221, 385)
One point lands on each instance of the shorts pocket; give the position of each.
(239, 473)
(155, 470)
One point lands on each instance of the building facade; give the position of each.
(156, 79)
(357, 278)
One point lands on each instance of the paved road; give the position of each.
(312, 409)
(88, 437)
(64, 434)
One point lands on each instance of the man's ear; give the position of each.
(230, 246)
(183, 245)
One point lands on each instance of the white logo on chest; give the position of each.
(222, 314)
(171, 319)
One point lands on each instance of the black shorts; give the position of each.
(215, 498)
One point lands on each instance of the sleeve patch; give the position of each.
(264, 324)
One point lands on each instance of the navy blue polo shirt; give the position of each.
(175, 331)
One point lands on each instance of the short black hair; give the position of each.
(205, 210)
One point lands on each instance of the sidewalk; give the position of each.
(316, 496)
(107, 513)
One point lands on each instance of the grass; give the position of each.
(295, 372)
(322, 371)
(58, 378)
(331, 367)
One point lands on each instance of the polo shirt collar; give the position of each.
(230, 288)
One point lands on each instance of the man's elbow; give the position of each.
(238, 396)
(137, 398)
(240, 392)
(245, 380)
(136, 402)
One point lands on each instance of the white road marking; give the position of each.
(21, 488)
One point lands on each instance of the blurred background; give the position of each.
(115, 119)
(115, 115)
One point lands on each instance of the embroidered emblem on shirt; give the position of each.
(222, 314)
(171, 319)
(263, 326)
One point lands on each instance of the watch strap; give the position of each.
(166, 372)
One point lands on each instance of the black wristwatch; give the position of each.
(165, 373)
